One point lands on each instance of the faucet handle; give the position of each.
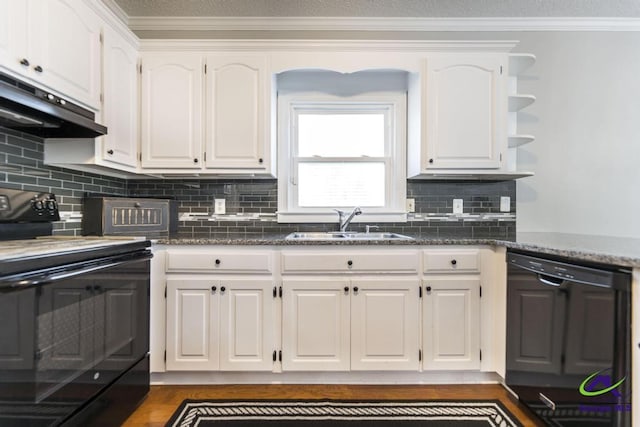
(369, 227)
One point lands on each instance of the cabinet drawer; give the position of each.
(458, 260)
(321, 261)
(219, 261)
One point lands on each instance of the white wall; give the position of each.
(586, 121)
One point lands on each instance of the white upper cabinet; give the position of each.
(205, 114)
(172, 106)
(464, 111)
(68, 46)
(14, 28)
(457, 115)
(120, 111)
(55, 43)
(237, 117)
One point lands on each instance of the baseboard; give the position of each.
(217, 377)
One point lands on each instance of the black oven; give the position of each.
(568, 340)
(68, 332)
(74, 322)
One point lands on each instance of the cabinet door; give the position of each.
(247, 339)
(120, 111)
(14, 28)
(465, 112)
(315, 325)
(385, 316)
(535, 325)
(192, 324)
(171, 111)
(451, 332)
(237, 113)
(66, 45)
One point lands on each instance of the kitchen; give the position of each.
(581, 148)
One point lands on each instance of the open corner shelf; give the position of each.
(518, 102)
(519, 62)
(518, 140)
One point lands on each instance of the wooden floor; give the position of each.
(162, 401)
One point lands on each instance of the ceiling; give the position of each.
(381, 8)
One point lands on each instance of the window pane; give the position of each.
(341, 184)
(341, 135)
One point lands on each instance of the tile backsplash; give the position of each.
(251, 204)
(251, 207)
(22, 167)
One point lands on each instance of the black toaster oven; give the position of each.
(124, 216)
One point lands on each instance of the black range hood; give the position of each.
(31, 110)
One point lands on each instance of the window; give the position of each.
(338, 152)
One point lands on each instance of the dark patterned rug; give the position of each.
(324, 413)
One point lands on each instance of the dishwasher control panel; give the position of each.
(568, 271)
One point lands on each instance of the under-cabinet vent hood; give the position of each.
(31, 110)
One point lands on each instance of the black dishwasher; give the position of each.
(568, 340)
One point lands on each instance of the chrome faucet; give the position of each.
(346, 220)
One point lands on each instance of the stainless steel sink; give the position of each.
(343, 236)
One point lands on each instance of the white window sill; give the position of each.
(329, 217)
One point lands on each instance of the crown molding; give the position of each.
(116, 20)
(151, 23)
(117, 11)
(411, 46)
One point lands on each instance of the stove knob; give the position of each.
(51, 205)
(50, 97)
(38, 205)
(62, 101)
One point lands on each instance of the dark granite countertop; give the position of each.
(619, 251)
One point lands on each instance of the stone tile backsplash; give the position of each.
(253, 202)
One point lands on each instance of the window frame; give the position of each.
(392, 104)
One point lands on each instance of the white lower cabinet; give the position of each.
(316, 309)
(315, 324)
(385, 319)
(451, 325)
(341, 324)
(192, 325)
(247, 336)
(224, 324)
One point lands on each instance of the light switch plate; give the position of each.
(219, 206)
(457, 206)
(505, 204)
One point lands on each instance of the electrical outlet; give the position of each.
(457, 206)
(219, 206)
(411, 205)
(505, 204)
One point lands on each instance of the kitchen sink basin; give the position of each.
(343, 236)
